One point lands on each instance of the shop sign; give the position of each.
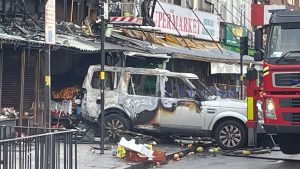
(186, 22)
(232, 31)
(50, 27)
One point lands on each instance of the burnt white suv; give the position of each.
(164, 102)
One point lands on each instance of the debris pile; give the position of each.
(247, 152)
(8, 113)
(138, 152)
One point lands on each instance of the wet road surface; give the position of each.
(207, 161)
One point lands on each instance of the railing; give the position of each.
(37, 148)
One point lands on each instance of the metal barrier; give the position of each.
(37, 148)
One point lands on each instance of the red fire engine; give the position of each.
(279, 89)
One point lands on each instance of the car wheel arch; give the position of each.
(117, 111)
(226, 115)
(223, 119)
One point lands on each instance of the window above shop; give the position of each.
(189, 3)
(291, 2)
(177, 2)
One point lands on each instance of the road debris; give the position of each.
(180, 154)
(199, 149)
(191, 153)
(176, 157)
(252, 151)
(214, 150)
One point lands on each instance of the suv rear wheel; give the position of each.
(114, 124)
(230, 135)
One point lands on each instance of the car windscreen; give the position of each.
(201, 88)
(283, 45)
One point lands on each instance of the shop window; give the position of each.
(177, 2)
(223, 10)
(110, 82)
(90, 10)
(144, 85)
(190, 2)
(60, 10)
(77, 11)
(64, 10)
(291, 2)
(115, 8)
(207, 5)
(167, 1)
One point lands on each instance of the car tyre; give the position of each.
(288, 143)
(114, 124)
(230, 135)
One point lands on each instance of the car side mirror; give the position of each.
(258, 39)
(251, 74)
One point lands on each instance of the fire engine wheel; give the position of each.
(230, 135)
(288, 143)
(114, 124)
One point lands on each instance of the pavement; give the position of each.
(90, 158)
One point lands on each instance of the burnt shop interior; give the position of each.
(22, 95)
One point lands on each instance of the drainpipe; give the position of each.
(1, 74)
(37, 103)
(21, 107)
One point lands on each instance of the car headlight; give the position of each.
(270, 109)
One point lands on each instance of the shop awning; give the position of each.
(224, 68)
(65, 41)
(164, 56)
(201, 51)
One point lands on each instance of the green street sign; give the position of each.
(238, 31)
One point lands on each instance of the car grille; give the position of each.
(291, 102)
(292, 117)
(287, 79)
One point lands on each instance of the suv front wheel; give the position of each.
(230, 135)
(114, 124)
